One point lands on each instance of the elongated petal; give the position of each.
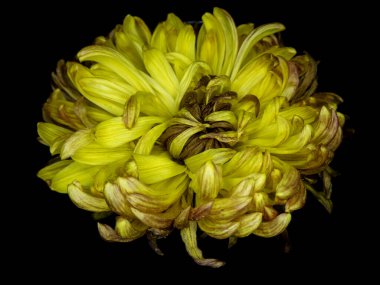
(218, 230)
(160, 69)
(255, 36)
(189, 237)
(75, 171)
(218, 156)
(48, 172)
(96, 154)
(53, 135)
(113, 133)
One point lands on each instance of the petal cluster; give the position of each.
(217, 128)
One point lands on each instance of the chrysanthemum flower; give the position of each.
(219, 129)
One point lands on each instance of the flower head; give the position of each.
(219, 129)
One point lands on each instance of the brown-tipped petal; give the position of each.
(297, 201)
(189, 237)
(248, 224)
(201, 211)
(183, 218)
(117, 200)
(208, 181)
(273, 227)
(84, 200)
(131, 111)
(226, 209)
(109, 234)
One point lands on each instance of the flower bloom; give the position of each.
(219, 129)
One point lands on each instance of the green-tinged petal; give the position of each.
(177, 145)
(53, 135)
(244, 81)
(131, 111)
(193, 73)
(117, 63)
(85, 200)
(243, 189)
(96, 154)
(186, 42)
(161, 71)
(113, 133)
(159, 40)
(217, 156)
(76, 141)
(226, 116)
(75, 171)
(137, 29)
(147, 141)
(189, 237)
(271, 136)
(248, 224)
(244, 163)
(255, 35)
(231, 39)
(273, 227)
(211, 43)
(155, 168)
(48, 172)
(208, 181)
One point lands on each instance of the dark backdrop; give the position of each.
(48, 234)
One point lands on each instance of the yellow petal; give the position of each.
(75, 171)
(113, 133)
(48, 172)
(231, 39)
(160, 70)
(177, 145)
(217, 156)
(185, 43)
(96, 154)
(255, 36)
(147, 141)
(117, 63)
(244, 163)
(155, 168)
(131, 111)
(137, 29)
(53, 135)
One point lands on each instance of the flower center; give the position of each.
(199, 125)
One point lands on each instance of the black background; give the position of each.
(48, 234)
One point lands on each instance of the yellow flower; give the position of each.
(219, 129)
